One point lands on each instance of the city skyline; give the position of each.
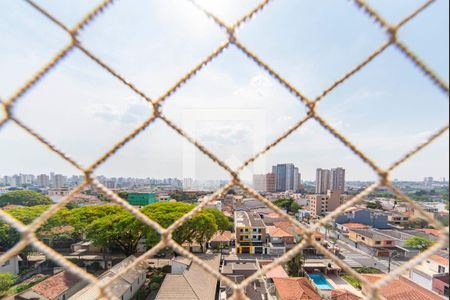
(386, 110)
(303, 180)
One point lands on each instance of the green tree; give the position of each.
(24, 198)
(7, 280)
(295, 266)
(120, 230)
(9, 236)
(374, 205)
(199, 228)
(81, 218)
(288, 204)
(419, 243)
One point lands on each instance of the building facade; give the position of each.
(287, 177)
(250, 233)
(323, 178)
(323, 204)
(337, 180)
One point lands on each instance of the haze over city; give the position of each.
(232, 106)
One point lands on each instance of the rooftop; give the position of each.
(295, 289)
(245, 219)
(343, 295)
(373, 234)
(120, 285)
(52, 287)
(278, 232)
(440, 258)
(225, 236)
(277, 272)
(355, 226)
(402, 289)
(193, 284)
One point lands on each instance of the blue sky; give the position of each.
(232, 106)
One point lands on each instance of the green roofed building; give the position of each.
(142, 199)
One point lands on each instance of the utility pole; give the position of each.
(392, 254)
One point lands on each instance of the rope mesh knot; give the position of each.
(372, 290)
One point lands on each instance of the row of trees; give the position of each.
(113, 227)
(24, 198)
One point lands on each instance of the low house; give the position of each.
(124, 287)
(433, 267)
(222, 240)
(84, 247)
(401, 288)
(295, 288)
(278, 241)
(194, 247)
(11, 265)
(237, 271)
(398, 219)
(192, 283)
(61, 286)
(345, 228)
(373, 239)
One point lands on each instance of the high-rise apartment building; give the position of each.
(323, 181)
(271, 184)
(333, 180)
(43, 180)
(287, 177)
(265, 183)
(59, 181)
(338, 180)
(260, 183)
(428, 181)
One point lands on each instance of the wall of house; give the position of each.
(440, 286)
(434, 266)
(421, 279)
(10, 266)
(72, 291)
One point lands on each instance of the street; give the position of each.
(357, 258)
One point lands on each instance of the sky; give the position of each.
(232, 106)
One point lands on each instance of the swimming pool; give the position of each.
(320, 281)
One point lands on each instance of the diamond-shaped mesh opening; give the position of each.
(371, 290)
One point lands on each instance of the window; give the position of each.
(377, 243)
(441, 270)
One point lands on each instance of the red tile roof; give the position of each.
(225, 236)
(288, 227)
(355, 226)
(277, 272)
(439, 259)
(56, 285)
(278, 232)
(343, 295)
(402, 289)
(295, 289)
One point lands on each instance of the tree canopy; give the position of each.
(374, 205)
(288, 204)
(24, 198)
(114, 227)
(419, 243)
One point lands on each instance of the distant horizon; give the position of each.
(436, 179)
